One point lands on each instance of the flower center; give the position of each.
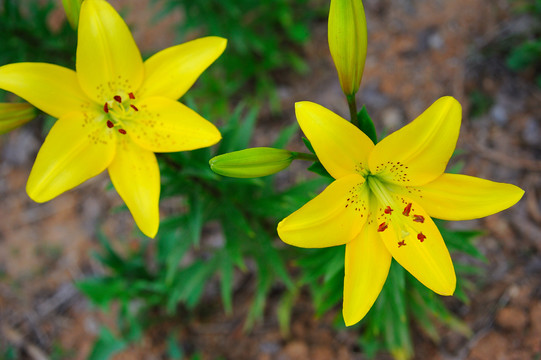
(118, 109)
(391, 209)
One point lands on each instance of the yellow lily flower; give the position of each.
(114, 112)
(381, 202)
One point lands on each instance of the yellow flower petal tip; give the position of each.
(383, 199)
(149, 230)
(114, 111)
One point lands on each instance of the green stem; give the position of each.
(304, 156)
(352, 109)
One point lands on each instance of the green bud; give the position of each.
(347, 42)
(13, 115)
(250, 163)
(72, 9)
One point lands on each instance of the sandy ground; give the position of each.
(418, 51)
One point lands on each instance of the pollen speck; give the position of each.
(106, 108)
(122, 131)
(117, 98)
(131, 96)
(388, 210)
(421, 237)
(134, 107)
(110, 124)
(382, 227)
(402, 243)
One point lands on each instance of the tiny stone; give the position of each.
(435, 41)
(499, 114)
(531, 132)
(392, 118)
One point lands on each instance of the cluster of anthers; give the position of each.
(407, 212)
(119, 109)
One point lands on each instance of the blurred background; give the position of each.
(484, 53)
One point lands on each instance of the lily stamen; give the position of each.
(407, 210)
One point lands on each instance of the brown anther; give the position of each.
(382, 227)
(106, 108)
(110, 124)
(402, 243)
(122, 131)
(388, 210)
(407, 210)
(419, 218)
(118, 99)
(421, 237)
(134, 107)
(131, 96)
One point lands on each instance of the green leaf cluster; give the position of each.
(29, 34)
(525, 50)
(265, 41)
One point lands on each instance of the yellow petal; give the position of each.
(341, 147)
(332, 218)
(164, 125)
(51, 88)
(462, 197)
(418, 153)
(171, 72)
(347, 42)
(135, 175)
(14, 115)
(108, 60)
(366, 268)
(416, 243)
(76, 149)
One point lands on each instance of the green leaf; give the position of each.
(189, 284)
(285, 136)
(194, 223)
(308, 145)
(318, 168)
(226, 284)
(284, 310)
(106, 346)
(103, 290)
(367, 125)
(174, 350)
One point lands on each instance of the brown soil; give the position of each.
(418, 51)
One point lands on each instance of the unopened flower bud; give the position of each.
(13, 115)
(72, 9)
(347, 42)
(250, 163)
